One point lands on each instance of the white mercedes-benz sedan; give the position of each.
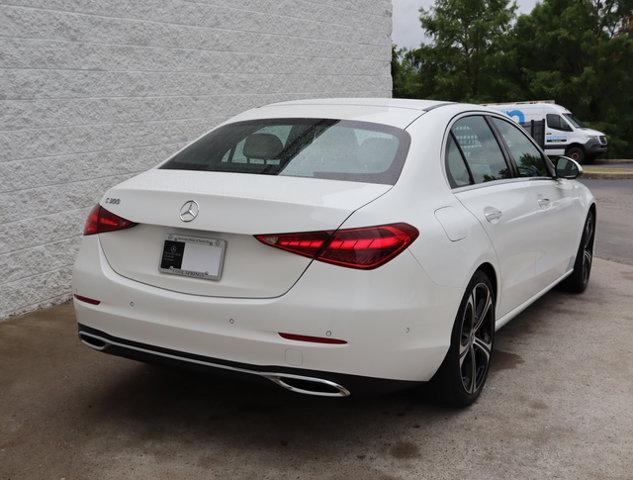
(325, 244)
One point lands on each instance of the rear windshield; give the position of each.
(316, 148)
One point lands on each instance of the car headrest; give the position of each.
(263, 146)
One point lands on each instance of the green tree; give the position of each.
(576, 52)
(466, 38)
(614, 15)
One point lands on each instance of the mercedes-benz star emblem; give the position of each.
(189, 211)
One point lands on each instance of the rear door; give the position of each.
(558, 205)
(503, 205)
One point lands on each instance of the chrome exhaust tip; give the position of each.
(295, 383)
(301, 384)
(94, 342)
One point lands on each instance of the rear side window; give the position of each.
(316, 148)
(528, 159)
(481, 150)
(458, 175)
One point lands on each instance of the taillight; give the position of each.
(100, 221)
(364, 248)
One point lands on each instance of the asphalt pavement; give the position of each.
(614, 235)
(557, 403)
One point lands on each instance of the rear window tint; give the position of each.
(316, 148)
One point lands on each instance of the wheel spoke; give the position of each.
(473, 370)
(466, 368)
(463, 355)
(587, 259)
(467, 325)
(586, 265)
(483, 347)
(484, 311)
(588, 232)
(472, 302)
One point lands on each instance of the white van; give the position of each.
(564, 134)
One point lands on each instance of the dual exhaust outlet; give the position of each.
(295, 383)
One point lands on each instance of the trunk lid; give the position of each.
(232, 207)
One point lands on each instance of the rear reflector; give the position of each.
(307, 338)
(101, 220)
(364, 248)
(91, 301)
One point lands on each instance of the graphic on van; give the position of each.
(516, 113)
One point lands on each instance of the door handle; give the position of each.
(544, 202)
(492, 214)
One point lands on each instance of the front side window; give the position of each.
(573, 120)
(481, 150)
(557, 123)
(300, 147)
(528, 158)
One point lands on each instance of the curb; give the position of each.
(607, 161)
(608, 175)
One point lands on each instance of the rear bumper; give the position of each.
(395, 320)
(311, 382)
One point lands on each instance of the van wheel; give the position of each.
(462, 375)
(576, 153)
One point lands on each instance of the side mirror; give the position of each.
(567, 168)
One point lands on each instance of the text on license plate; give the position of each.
(195, 257)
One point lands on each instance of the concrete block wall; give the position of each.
(94, 91)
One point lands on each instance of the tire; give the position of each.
(462, 375)
(579, 279)
(576, 153)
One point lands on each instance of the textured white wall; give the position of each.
(94, 91)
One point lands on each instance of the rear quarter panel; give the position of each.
(420, 192)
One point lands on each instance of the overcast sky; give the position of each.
(407, 31)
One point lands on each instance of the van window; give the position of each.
(573, 120)
(528, 158)
(480, 147)
(557, 123)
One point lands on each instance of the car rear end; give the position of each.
(235, 255)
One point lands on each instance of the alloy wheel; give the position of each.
(475, 346)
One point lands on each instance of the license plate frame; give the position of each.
(173, 257)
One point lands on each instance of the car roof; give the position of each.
(367, 102)
(388, 111)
